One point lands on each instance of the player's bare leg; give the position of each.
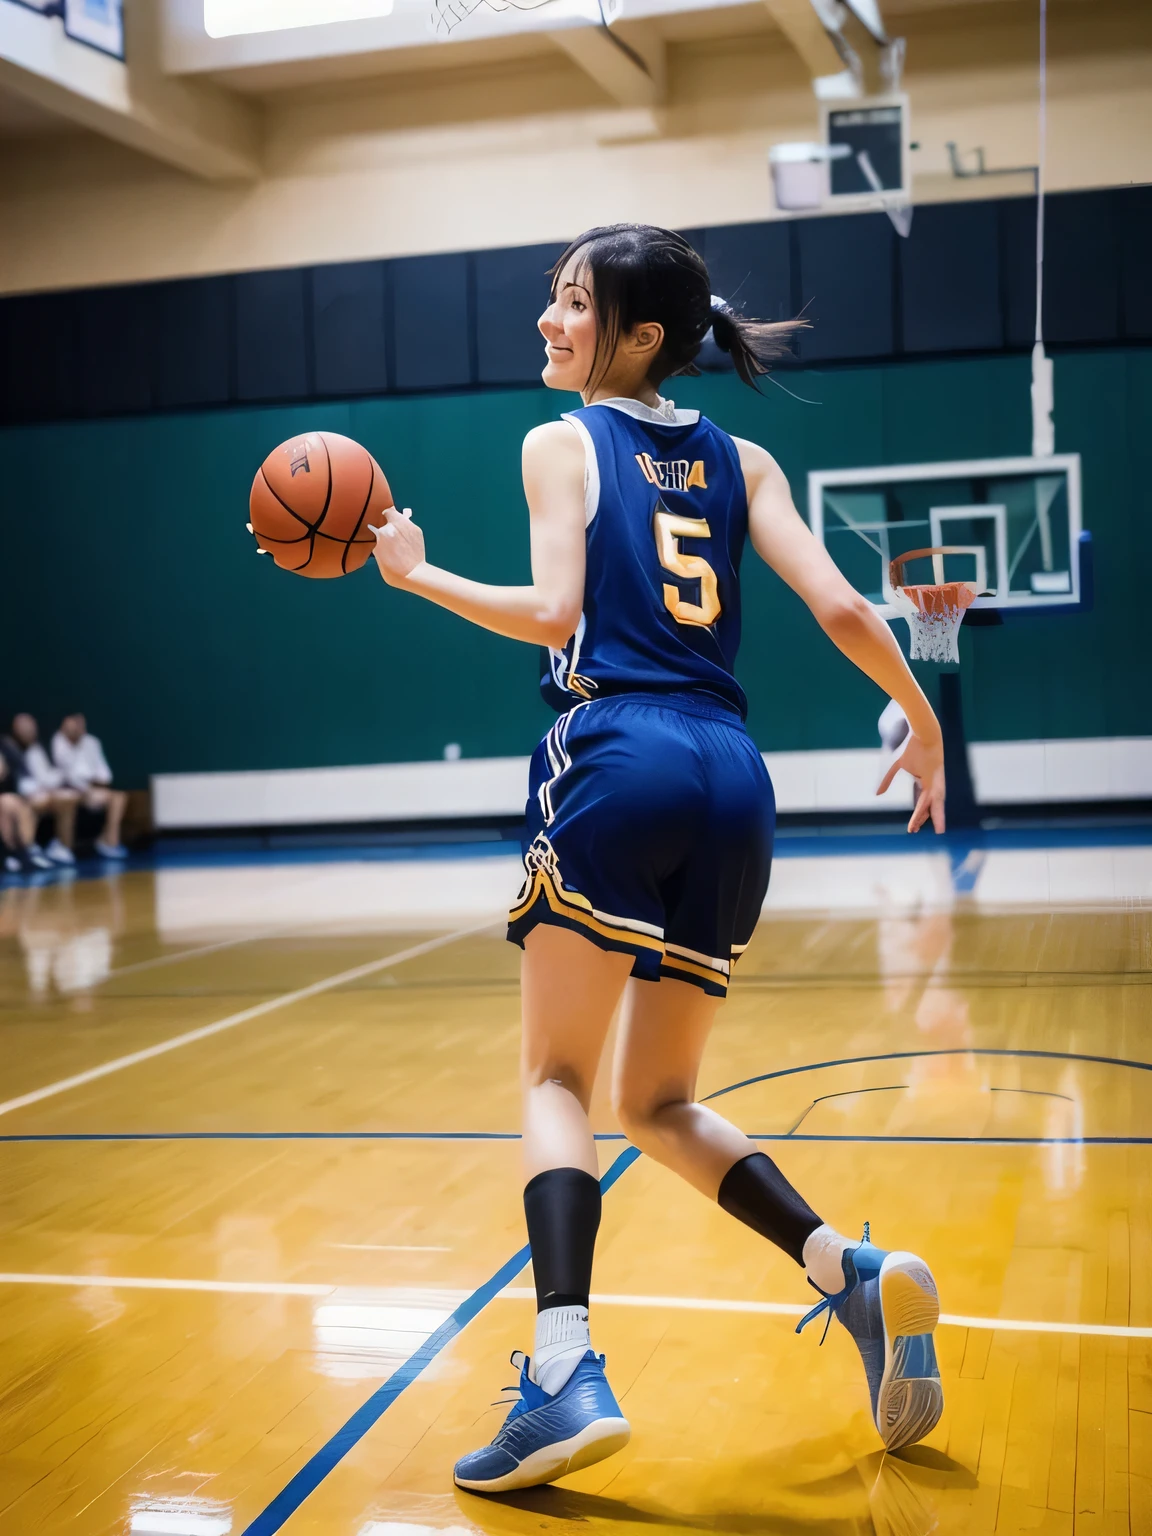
(887, 1301)
(567, 1417)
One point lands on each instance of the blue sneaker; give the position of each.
(544, 1437)
(890, 1307)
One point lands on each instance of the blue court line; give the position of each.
(318, 1466)
(316, 1469)
(957, 1050)
(763, 1077)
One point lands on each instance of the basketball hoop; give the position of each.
(935, 612)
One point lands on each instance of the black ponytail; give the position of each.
(640, 273)
(753, 345)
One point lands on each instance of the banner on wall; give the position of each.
(99, 23)
(96, 23)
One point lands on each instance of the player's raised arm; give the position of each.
(784, 541)
(545, 613)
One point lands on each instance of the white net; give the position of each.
(934, 617)
(447, 14)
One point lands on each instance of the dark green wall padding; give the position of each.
(133, 592)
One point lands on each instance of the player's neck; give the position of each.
(615, 389)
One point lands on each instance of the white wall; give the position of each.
(1004, 773)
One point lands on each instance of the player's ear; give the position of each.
(646, 339)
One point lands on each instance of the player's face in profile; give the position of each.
(568, 326)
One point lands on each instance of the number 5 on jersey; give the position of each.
(669, 529)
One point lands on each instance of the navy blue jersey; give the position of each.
(667, 519)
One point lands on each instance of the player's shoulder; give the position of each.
(756, 462)
(553, 437)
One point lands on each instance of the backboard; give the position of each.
(867, 150)
(1018, 522)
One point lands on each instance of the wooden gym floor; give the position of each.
(227, 1255)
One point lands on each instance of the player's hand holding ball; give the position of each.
(399, 546)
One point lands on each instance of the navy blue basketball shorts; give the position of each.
(650, 821)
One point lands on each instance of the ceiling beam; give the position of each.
(627, 63)
(800, 24)
(197, 127)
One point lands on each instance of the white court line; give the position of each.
(158, 1283)
(524, 1293)
(789, 1309)
(257, 1011)
(391, 1248)
(185, 954)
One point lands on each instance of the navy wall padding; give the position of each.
(271, 346)
(1081, 269)
(192, 358)
(751, 266)
(432, 321)
(114, 340)
(950, 279)
(348, 328)
(1135, 208)
(511, 292)
(39, 363)
(963, 282)
(846, 282)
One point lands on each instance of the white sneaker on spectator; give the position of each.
(12, 864)
(108, 851)
(57, 852)
(38, 858)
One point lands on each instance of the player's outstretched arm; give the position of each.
(784, 541)
(545, 613)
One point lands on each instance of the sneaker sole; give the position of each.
(911, 1399)
(595, 1442)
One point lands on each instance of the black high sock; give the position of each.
(757, 1193)
(562, 1208)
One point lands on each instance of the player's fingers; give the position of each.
(920, 814)
(938, 813)
(893, 770)
(248, 526)
(407, 512)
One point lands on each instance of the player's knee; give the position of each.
(638, 1110)
(550, 1073)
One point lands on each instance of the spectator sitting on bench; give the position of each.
(81, 761)
(17, 825)
(43, 787)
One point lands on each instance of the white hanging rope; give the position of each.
(1040, 156)
(1043, 431)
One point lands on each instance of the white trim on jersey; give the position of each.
(561, 666)
(591, 469)
(665, 414)
(556, 750)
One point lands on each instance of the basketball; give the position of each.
(313, 501)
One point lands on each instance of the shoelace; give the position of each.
(832, 1300)
(519, 1359)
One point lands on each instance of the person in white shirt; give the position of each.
(43, 787)
(84, 768)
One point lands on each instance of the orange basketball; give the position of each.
(312, 502)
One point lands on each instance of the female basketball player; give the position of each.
(650, 819)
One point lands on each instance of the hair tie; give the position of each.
(719, 305)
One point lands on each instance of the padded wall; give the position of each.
(964, 281)
(140, 598)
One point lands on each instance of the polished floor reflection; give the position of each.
(257, 1132)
